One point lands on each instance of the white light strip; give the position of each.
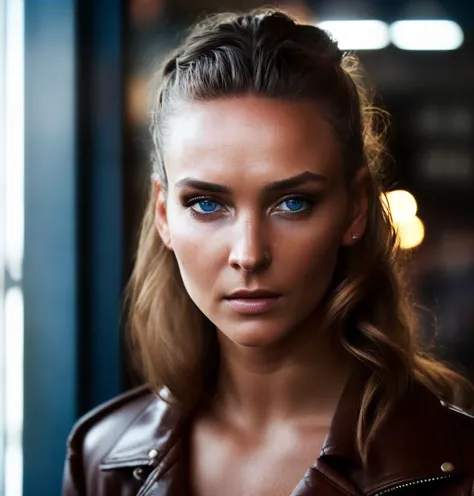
(14, 138)
(426, 35)
(11, 244)
(358, 35)
(14, 392)
(2, 243)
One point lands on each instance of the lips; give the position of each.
(253, 306)
(252, 294)
(259, 301)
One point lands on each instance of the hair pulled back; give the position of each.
(267, 53)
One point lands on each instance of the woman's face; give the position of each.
(256, 202)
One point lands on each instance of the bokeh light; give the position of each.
(403, 208)
(410, 233)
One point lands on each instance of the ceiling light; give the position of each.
(429, 34)
(358, 34)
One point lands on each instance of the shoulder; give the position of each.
(456, 426)
(109, 420)
(125, 433)
(427, 428)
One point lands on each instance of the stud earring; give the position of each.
(355, 237)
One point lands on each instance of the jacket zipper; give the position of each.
(412, 483)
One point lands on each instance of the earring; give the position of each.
(355, 237)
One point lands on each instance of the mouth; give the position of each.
(253, 302)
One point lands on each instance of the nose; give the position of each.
(249, 250)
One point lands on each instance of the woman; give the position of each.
(269, 309)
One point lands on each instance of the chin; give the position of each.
(255, 334)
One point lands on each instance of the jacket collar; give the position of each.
(413, 444)
(147, 438)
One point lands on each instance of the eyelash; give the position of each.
(189, 202)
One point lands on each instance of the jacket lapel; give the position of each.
(145, 439)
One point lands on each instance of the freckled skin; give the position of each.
(245, 143)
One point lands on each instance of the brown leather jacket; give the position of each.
(425, 448)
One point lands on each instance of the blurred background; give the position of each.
(74, 177)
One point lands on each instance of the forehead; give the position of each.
(257, 136)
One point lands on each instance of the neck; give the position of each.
(298, 381)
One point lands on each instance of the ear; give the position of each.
(161, 217)
(358, 207)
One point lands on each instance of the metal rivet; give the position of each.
(138, 473)
(153, 453)
(447, 467)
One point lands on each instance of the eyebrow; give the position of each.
(290, 182)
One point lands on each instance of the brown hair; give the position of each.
(267, 53)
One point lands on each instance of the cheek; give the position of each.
(197, 253)
(311, 250)
(312, 260)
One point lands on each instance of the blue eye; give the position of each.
(206, 206)
(295, 205)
